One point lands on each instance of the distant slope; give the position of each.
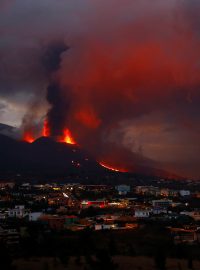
(9, 131)
(44, 156)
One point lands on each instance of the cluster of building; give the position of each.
(157, 191)
(76, 207)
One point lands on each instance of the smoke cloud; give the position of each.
(128, 87)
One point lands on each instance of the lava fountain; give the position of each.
(28, 137)
(66, 137)
(46, 130)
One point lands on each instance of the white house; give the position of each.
(162, 203)
(123, 189)
(184, 193)
(19, 212)
(142, 213)
(193, 214)
(3, 215)
(34, 216)
(99, 227)
(159, 210)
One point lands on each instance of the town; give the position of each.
(36, 212)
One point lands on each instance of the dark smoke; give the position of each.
(50, 63)
(57, 114)
(52, 56)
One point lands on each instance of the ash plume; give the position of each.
(31, 122)
(51, 58)
(58, 113)
(59, 103)
(56, 116)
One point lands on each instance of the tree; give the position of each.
(112, 246)
(190, 263)
(78, 260)
(5, 258)
(103, 261)
(64, 257)
(46, 266)
(160, 260)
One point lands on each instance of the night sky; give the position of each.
(127, 84)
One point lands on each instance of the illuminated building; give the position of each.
(97, 203)
(123, 189)
(162, 203)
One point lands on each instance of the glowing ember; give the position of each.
(28, 137)
(46, 130)
(111, 168)
(67, 137)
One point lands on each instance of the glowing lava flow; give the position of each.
(111, 168)
(27, 137)
(67, 137)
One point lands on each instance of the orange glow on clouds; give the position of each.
(88, 118)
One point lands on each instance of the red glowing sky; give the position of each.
(131, 76)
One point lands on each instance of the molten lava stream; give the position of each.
(111, 168)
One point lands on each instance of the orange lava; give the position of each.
(111, 168)
(28, 137)
(46, 130)
(67, 137)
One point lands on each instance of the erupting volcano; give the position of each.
(66, 137)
